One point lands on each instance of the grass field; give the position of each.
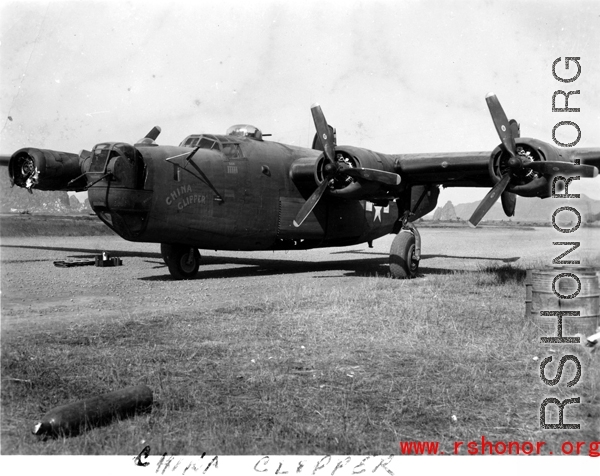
(307, 370)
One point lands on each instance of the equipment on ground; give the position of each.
(77, 417)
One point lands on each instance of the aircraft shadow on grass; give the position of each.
(119, 253)
(370, 264)
(250, 266)
(485, 258)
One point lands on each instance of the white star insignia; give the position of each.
(377, 213)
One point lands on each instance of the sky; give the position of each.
(395, 77)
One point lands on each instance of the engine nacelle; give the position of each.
(302, 171)
(351, 188)
(307, 171)
(528, 183)
(46, 170)
(353, 157)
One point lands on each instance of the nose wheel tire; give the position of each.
(403, 264)
(183, 261)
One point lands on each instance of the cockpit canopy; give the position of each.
(204, 141)
(229, 146)
(245, 130)
(212, 141)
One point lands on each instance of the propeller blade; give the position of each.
(373, 175)
(149, 138)
(502, 124)
(553, 168)
(153, 134)
(310, 203)
(516, 128)
(323, 132)
(489, 200)
(316, 143)
(509, 202)
(4, 160)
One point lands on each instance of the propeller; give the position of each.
(323, 133)
(553, 168)
(330, 168)
(310, 203)
(374, 175)
(489, 200)
(518, 164)
(509, 199)
(333, 169)
(150, 137)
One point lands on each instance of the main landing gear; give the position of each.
(183, 260)
(405, 252)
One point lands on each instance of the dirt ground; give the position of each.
(37, 293)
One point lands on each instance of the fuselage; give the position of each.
(223, 192)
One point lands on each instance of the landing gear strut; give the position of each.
(405, 251)
(183, 261)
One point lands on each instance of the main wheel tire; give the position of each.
(403, 264)
(183, 261)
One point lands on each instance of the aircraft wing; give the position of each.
(468, 169)
(517, 166)
(477, 169)
(527, 169)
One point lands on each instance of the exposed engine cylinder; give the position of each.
(524, 181)
(45, 170)
(350, 187)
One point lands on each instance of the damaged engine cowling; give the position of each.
(45, 169)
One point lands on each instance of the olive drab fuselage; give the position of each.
(230, 194)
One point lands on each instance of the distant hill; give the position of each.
(528, 210)
(18, 199)
(446, 213)
(536, 209)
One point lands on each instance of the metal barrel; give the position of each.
(76, 417)
(541, 285)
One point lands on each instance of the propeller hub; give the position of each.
(330, 168)
(515, 163)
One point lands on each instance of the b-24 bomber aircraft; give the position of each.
(239, 192)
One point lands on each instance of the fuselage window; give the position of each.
(232, 151)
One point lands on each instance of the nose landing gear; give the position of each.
(183, 261)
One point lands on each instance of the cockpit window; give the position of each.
(100, 157)
(226, 144)
(204, 141)
(191, 142)
(208, 144)
(128, 151)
